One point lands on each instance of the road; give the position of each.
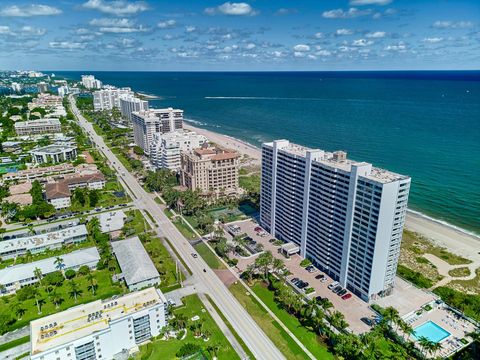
(206, 280)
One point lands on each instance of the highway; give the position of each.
(205, 279)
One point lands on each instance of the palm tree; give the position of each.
(317, 321)
(56, 299)
(263, 263)
(38, 300)
(436, 347)
(336, 319)
(326, 304)
(369, 340)
(406, 329)
(181, 321)
(206, 334)
(38, 274)
(20, 311)
(309, 309)
(391, 315)
(75, 291)
(59, 264)
(424, 343)
(93, 283)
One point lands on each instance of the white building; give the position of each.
(165, 149)
(147, 123)
(346, 216)
(62, 91)
(54, 153)
(112, 221)
(109, 97)
(42, 87)
(138, 270)
(39, 243)
(129, 104)
(16, 87)
(90, 82)
(34, 127)
(101, 329)
(18, 276)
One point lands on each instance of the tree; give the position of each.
(263, 263)
(93, 197)
(390, 314)
(36, 192)
(70, 274)
(75, 291)
(56, 299)
(20, 311)
(53, 279)
(84, 270)
(80, 196)
(38, 274)
(59, 264)
(138, 150)
(247, 274)
(337, 319)
(93, 283)
(40, 302)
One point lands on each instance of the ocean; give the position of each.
(422, 124)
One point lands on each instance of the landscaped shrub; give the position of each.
(84, 270)
(414, 277)
(70, 274)
(305, 263)
(188, 349)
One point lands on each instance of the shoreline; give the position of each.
(458, 240)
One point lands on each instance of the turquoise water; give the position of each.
(423, 124)
(431, 331)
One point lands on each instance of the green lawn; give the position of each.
(279, 337)
(166, 349)
(122, 158)
(138, 224)
(163, 262)
(210, 258)
(179, 257)
(305, 335)
(106, 288)
(184, 229)
(167, 212)
(14, 343)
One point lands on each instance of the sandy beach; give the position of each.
(456, 241)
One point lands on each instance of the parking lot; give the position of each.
(353, 308)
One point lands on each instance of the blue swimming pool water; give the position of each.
(431, 331)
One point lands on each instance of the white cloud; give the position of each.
(400, 47)
(5, 30)
(318, 35)
(116, 7)
(123, 30)
(250, 46)
(278, 54)
(342, 14)
(285, 11)
(323, 53)
(433, 40)
(29, 10)
(112, 22)
(190, 29)
(362, 42)
(233, 9)
(369, 2)
(33, 31)
(117, 26)
(376, 35)
(301, 48)
(167, 24)
(67, 45)
(299, 54)
(341, 32)
(445, 24)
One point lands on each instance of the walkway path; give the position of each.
(444, 267)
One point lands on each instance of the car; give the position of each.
(194, 255)
(319, 276)
(332, 285)
(346, 296)
(367, 321)
(342, 292)
(337, 289)
(271, 240)
(258, 229)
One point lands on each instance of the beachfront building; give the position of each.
(102, 329)
(165, 149)
(346, 216)
(90, 82)
(109, 97)
(212, 170)
(39, 243)
(34, 127)
(154, 121)
(138, 270)
(55, 153)
(129, 104)
(15, 277)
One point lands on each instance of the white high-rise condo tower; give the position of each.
(346, 216)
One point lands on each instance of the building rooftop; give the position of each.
(54, 149)
(337, 159)
(23, 271)
(83, 320)
(41, 122)
(134, 261)
(61, 188)
(20, 199)
(215, 153)
(111, 221)
(48, 239)
(20, 188)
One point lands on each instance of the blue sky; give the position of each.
(251, 35)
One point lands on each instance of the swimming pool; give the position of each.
(431, 331)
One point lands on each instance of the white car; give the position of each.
(333, 285)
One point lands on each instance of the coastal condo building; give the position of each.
(109, 97)
(346, 216)
(102, 329)
(154, 121)
(129, 104)
(210, 169)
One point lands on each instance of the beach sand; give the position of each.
(454, 240)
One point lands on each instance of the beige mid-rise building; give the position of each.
(211, 169)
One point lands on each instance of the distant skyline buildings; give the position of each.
(243, 35)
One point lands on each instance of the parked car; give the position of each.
(272, 240)
(294, 280)
(342, 292)
(258, 229)
(333, 285)
(194, 255)
(337, 289)
(346, 296)
(319, 276)
(367, 320)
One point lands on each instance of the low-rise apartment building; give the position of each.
(45, 101)
(212, 170)
(55, 153)
(154, 121)
(165, 149)
(36, 173)
(42, 126)
(39, 243)
(102, 329)
(15, 277)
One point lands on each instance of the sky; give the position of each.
(254, 35)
